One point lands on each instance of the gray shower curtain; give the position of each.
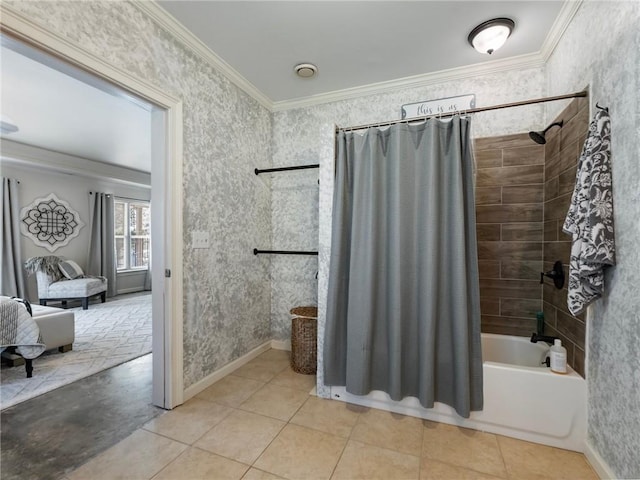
(12, 279)
(101, 243)
(403, 309)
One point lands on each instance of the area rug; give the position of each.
(107, 334)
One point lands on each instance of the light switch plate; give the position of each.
(200, 239)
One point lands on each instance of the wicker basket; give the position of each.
(304, 333)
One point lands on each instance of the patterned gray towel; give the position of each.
(18, 329)
(590, 217)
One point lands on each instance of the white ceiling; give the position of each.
(53, 109)
(353, 43)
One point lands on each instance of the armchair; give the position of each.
(53, 286)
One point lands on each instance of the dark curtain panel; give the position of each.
(403, 313)
(12, 276)
(101, 245)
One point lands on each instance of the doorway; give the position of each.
(166, 184)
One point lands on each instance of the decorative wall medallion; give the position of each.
(50, 222)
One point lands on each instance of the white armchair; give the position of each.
(53, 286)
(64, 289)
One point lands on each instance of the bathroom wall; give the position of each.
(509, 194)
(601, 49)
(306, 134)
(226, 135)
(294, 201)
(561, 154)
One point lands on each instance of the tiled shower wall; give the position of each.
(561, 157)
(509, 197)
(523, 192)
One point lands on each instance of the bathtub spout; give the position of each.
(535, 338)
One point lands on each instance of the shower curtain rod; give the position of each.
(471, 110)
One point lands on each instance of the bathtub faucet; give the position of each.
(535, 338)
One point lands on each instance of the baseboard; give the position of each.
(597, 462)
(130, 290)
(281, 345)
(209, 380)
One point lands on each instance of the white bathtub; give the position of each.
(522, 398)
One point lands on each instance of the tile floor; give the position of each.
(261, 423)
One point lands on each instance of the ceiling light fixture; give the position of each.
(7, 125)
(305, 70)
(489, 36)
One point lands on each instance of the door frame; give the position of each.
(166, 189)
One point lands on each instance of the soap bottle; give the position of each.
(540, 323)
(558, 356)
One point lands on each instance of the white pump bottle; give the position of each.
(558, 356)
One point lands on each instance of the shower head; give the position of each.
(539, 137)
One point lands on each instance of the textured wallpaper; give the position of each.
(602, 48)
(294, 202)
(306, 135)
(226, 135)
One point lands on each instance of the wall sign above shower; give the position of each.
(441, 105)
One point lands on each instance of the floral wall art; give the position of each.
(50, 222)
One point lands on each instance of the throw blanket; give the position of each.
(590, 217)
(48, 264)
(18, 329)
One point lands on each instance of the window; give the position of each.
(132, 226)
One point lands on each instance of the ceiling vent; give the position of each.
(305, 70)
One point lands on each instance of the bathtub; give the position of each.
(522, 397)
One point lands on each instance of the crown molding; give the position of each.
(21, 154)
(567, 12)
(167, 22)
(532, 60)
